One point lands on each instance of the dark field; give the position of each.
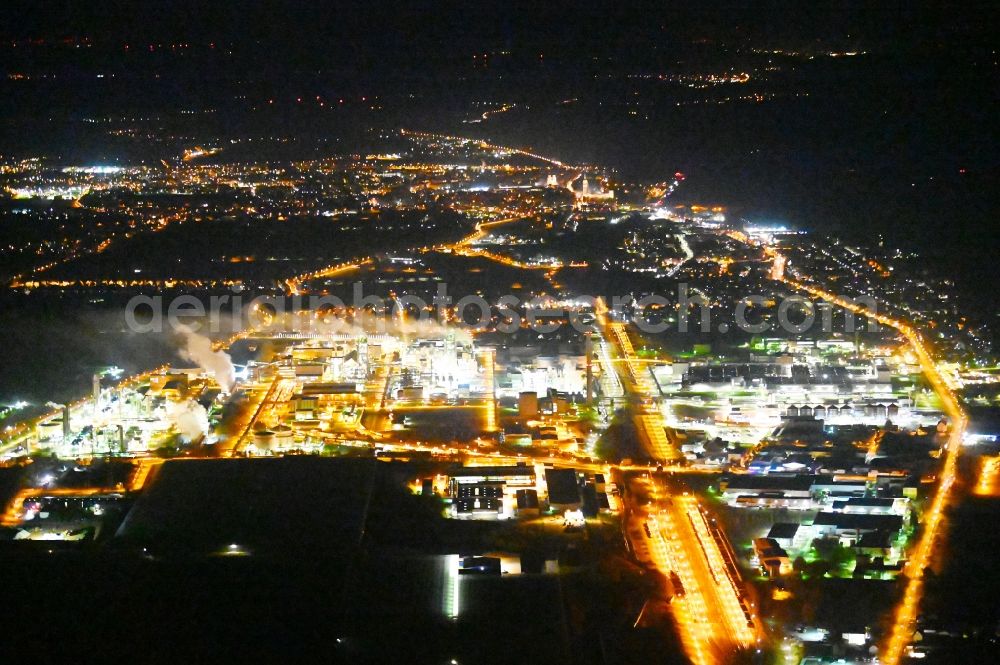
(338, 563)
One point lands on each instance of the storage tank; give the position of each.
(282, 437)
(50, 430)
(263, 439)
(527, 404)
(412, 393)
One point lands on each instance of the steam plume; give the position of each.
(189, 417)
(198, 349)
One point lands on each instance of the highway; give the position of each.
(482, 230)
(486, 146)
(293, 285)
(648, 420)
(688, 253)
(675, 535)
(712, 613)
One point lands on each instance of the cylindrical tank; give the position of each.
(50, 430)
(282, 437)
(263, 439)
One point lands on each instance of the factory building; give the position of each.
(490, 490)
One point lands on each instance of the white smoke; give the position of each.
(429, 328)
(363, 323)
(189, 417)
(570, 379)
(198, 349)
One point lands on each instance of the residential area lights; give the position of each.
(906, 613)
(713, 614)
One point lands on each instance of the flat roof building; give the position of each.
(798, 486)
(564, 490)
